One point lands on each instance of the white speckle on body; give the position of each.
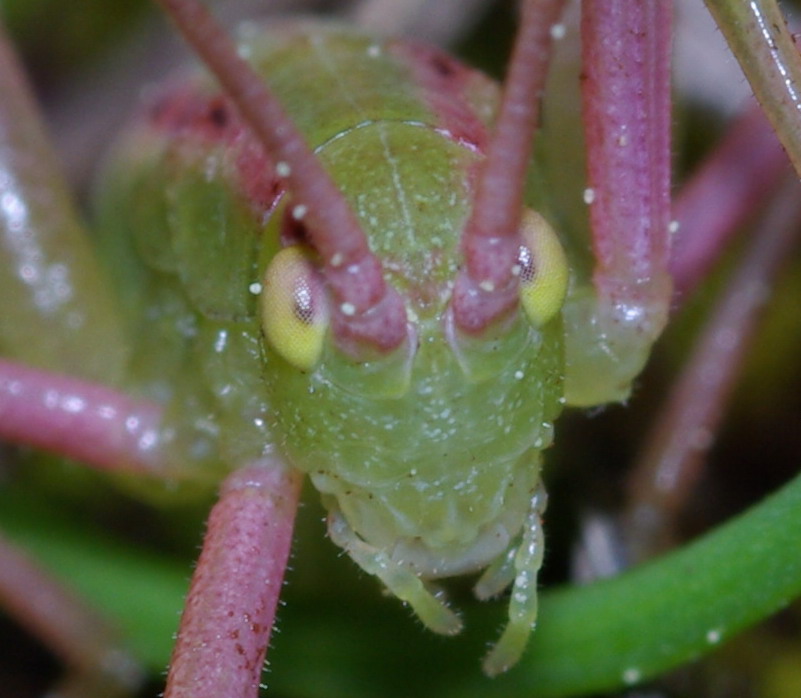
(337, 259)
(348, 309)
(221, 341)
(673, 227)
(487, 286)
(713, 636)
(589, 195)
(299, 211)
(283, 169)
(255, 288)
(374, 50)
(558, 31)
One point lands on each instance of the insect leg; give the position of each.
(611, 326)
(230, 611)
(402, 582)
(523, 602)
(97, 663)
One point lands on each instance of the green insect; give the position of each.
(424, 432)
(402, 443)
(407, 342)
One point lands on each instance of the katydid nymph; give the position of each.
(369, 301)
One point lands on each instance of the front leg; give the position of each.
(401, 581)
(231, 607)
(612, 323)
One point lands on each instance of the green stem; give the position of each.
(673, 610)
(588, 639)
(758, 36)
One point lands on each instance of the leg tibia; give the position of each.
(401, 581)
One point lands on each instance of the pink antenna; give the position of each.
(367, 310)
(487, 287)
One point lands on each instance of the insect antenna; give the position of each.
(367, 310)
(487, 287)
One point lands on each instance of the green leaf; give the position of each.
(588, 639)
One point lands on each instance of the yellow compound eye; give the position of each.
(543, 269)
(294, 309)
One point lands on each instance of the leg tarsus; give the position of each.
(523, 603)
(402, 582)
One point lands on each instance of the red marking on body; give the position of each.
(444, 85)
(189, 114)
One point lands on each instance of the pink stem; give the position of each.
(674, 452)
(734, 181)
(626, 90)
(68, 627)
(77, 419)
(367, 307)
(230, 611)
(488, 288)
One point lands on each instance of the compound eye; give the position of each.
(294, 307)
(543, 269)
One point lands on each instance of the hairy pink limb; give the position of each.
(626, 91)
(758, 36)
(66, 625)
(367, 309)
(674, 452)
(78, 419)
(487, 286)
(230, 611)
(733, 182)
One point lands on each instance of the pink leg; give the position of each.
(231, 606)
(744, 169)
(78, 419)
(626, 93)
(69, 628)
(627, 118)
(674, 452)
